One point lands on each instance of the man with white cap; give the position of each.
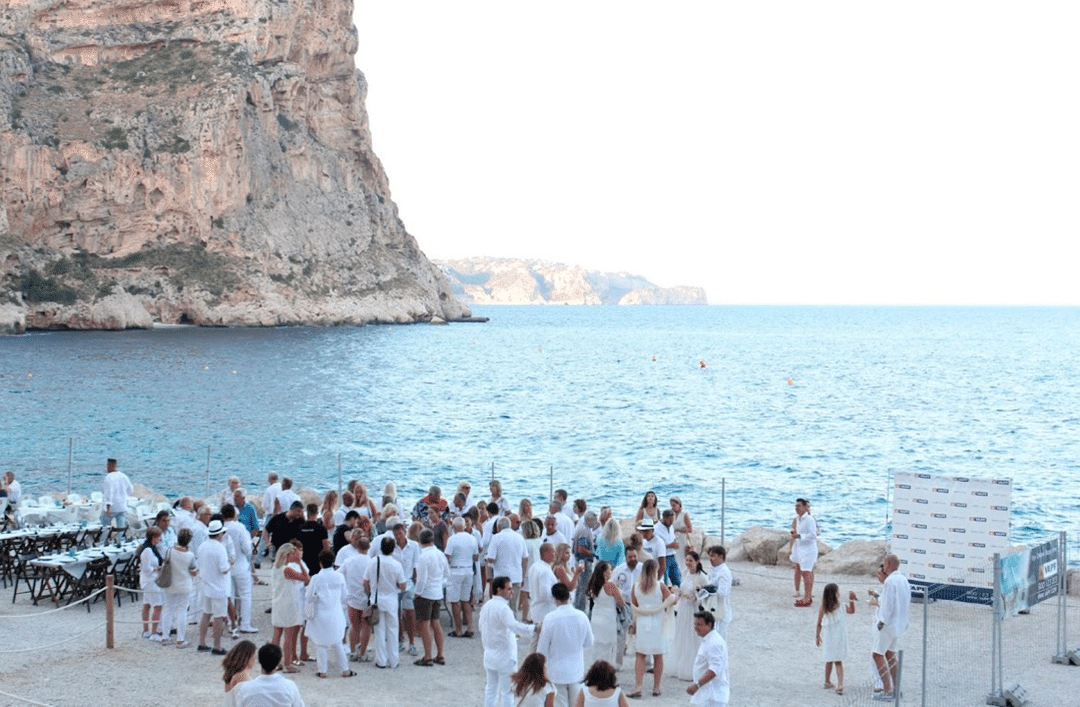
(652, 544)
(214, 566)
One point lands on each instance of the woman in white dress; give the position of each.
(288, 577)
(832, 633)
(325, 597)
(648, 509)
(649, 598)
(531, 685)
(601, 688)
(685, 643)
(683, 530)
(604, 596)
(150, 561)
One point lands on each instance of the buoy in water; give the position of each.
(791, 381)
(654, 357)
(701, 363)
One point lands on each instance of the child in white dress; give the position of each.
(832, 633)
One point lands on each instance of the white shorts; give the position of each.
(459, 588)
(153, 597)
(885, 641)
(217, 608)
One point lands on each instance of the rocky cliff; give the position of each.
(195, 161)
(513, 281)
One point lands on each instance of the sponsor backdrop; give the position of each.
(946, 529)
(1029, 577)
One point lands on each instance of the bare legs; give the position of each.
(808, 585)
(639, 672)
(886, 667)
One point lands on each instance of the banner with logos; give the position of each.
(1029, 577)
(946, 529)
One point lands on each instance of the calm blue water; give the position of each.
(989, 392)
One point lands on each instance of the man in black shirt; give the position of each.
(283, 527)
(313, 539)
(352, 519)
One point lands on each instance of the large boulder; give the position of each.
(760, 545)
(858, 557)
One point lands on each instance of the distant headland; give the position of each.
(483, 280)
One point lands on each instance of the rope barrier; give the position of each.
(51, 645)
(52, 611)
(27, 700)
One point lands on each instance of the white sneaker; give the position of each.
(146, 634)
(412, 649)
(182, 644)
(235, 634)
(156, 638)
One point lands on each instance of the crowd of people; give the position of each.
(361, 580)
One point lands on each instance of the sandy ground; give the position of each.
(773, 659)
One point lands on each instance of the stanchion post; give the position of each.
(723, 508)
(109, 611)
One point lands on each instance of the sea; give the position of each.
(736, 409)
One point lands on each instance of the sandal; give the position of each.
(468, 634)
(635, 695)
(828, 686)
(320, 675)
(290, 669)
(439, 660)
(804, 602)
(655, 693)
(425, 662)
(348, 674)
(839, 690)
(455, 634)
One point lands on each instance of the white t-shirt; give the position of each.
(354, 571)
(114, 491)
(461, 548)
(214, 569)
(507, 550)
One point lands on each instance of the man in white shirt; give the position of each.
(497, 629)
(563, 522)
(541, 580)
(804, 549)
(114, 492)
(719, 599)
(711, 687)
(354, 570)
(271, 689)
(666, 533)
(551, 532)
(214, 566)
(508, 556)
(462, 552)
(270, 509)
(240, 539)
(382, 582)
(185, 516)
(406, 552)
(564, 636)
(432, 570)
(892, 622)
(227, 493)
(625, 577)
(653, 545)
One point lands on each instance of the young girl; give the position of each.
(834, 643)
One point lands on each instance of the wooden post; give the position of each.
(109, 611)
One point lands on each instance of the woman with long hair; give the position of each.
(389, 494)
(237, 665)
(562, 572)
(601, 688)
(604, 597)
(685, 643)
(683, 529)
(609, 544)
(329, 507)
(648, 509)
(649, 598)
(288, 577)
(525, 510)
(531, 685)
(362, 504)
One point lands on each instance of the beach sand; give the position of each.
(773, 661)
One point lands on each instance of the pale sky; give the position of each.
(808, 152)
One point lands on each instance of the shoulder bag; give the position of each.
(164, 578)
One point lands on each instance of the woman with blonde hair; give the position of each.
(329, 507)
(563, 573)
(362, 504)
(288, 577)
(389, 494)
(525, 510)
(609, 545)
(649, 598)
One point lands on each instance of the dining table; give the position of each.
(60, 570)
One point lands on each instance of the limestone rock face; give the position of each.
(211, 158)
(511, 281)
